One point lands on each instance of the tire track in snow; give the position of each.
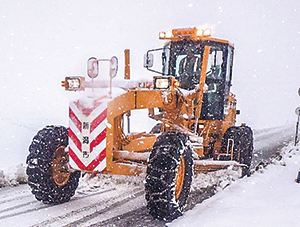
(14, 193)
(44, 206)
(141, 216)
(106, 209)
(24, 212)
(87, 212)
(17, 207)
(138, 217)
(15, 198)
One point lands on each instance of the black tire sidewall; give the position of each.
(243, 144)
(39, 166)
(161, 173)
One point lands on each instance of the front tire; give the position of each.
(169, 176)
(48, 175)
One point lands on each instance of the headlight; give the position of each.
(162, 82)
(73, 83)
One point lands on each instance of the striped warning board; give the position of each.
(87, 136)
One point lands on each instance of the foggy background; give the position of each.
(44, 41)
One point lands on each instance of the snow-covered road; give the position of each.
(268, 141)
(119, 200)
(269, 198)
(93, 203)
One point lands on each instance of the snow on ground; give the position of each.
(270, 197)
(89, 181)
(15, 138)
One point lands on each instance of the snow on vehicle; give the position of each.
(195, 131)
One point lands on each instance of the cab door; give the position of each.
(217, 81)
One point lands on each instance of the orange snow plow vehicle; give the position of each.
(194, 111)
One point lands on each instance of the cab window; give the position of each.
(217, 83)
(185, 62)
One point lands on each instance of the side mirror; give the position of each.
(92, 67)
(299, 91)
(113, 67)
(148, 60)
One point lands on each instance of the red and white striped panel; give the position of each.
(87, 136)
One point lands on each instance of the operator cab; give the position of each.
(184, 61)
(183, 57)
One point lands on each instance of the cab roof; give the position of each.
(179, 34)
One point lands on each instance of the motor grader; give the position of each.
(191, 102)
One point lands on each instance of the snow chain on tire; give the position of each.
(169, 176)
(242, 145)
(40, 166)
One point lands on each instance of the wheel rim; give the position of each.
(60, 170)
(179, 179)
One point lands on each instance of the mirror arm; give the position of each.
(147, 67)
(154, 50)
(154, 71)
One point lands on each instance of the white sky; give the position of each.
(43, 41)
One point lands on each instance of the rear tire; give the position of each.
(246, 149)
(242, 138)
(48, 147)
(169, 176)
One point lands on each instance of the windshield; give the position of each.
(185, 62)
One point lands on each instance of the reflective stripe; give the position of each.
(87, 136)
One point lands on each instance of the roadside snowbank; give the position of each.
(19, 177)
(270, 197)
(15, 138)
